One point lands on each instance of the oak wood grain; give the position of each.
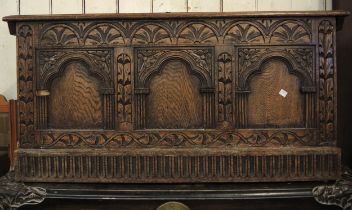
(75, 100)
(174, 100)
(267, 108)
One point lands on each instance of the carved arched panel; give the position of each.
(275, 88)
(75, 100)
(174, 99)
(267, 106)
(174, 89)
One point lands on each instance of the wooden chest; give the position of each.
(171, 98)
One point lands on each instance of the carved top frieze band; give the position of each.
(156, 32)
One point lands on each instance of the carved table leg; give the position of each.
(339, 194)
(14, 195)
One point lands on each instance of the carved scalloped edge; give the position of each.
(338, 194)
(16, 194)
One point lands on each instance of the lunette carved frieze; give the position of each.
(177, 32)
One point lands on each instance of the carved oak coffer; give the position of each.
(155, 98)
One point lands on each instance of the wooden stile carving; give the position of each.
(170, 98)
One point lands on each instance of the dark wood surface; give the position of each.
(273, 204)
(207, 196)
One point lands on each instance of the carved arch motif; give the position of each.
(60, 34)
(96, 63)
(307, 83)
(151, 34)
(244, 32)
(58, 68)
(196, 33)
(200, 63)
(290, 31)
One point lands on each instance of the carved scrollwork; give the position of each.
(338, 194)
(14, 195)
(175, 139)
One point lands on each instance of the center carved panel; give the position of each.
(174, 100)
(175, 88)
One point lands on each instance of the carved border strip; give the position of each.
(176, 139)
(25, 85)
(326, 83)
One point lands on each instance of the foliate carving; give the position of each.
(304, 56)
(338, 194)
(102, 59)
(326, 82)
(225, 89)
(290, 32)
(175, 139)
(25, 85)
(249, 56)
(14, 195)
(244, 33)
(151, 34)
(124, 91)
(197, 33)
